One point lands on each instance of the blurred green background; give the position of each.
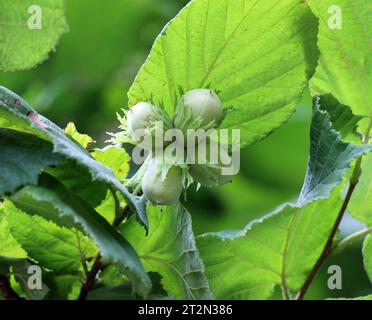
(86, 81)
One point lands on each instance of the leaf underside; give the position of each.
(330, 157)
(170, 250)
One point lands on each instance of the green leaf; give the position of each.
(345, 65)
(22, 47)
(9, 246)
(114, 292)
(21, 275)
(62, 287)
(51, 199)
(19, 269)
(360, 205)
(79, 180)
(369, 297)
(256, 55)
(208, 175)
(279, 249)
(123, 291)
(111, 275)
(53, 247)
(330, 157)
(22, 157)
(17, 111)
(7, 262)
(115, 158)
(83, 139)
(107, 208)
(170, 250)
(341, 116)
(367, 256)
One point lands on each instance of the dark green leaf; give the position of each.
(123, 291)
(51, 199)
(341, 116)
(330, 157)
(22, 115)
(22, 275)
(22, 157)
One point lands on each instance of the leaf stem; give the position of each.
(342, 244)
(117, 202)
(368, 131)
(285, 292)
(328, 246)
(81, 253)
(91, 278)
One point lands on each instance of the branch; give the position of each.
(328, 246)
(91, 278)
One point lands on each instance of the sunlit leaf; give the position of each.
(257, 55)
(83, 139)
(170, 250)
(279, 249)
(54, 247)
(345, 43)
(360, 205)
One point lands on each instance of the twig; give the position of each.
(329, 244)
(117, 202)
(91, 279)
(121, 217)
